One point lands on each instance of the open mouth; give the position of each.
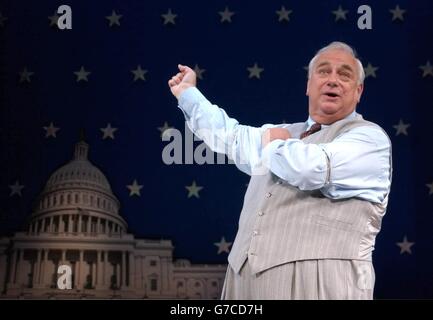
(331, 94)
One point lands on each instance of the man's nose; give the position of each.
(332, 80)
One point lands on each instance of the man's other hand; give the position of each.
(183, 80)
(275, 133)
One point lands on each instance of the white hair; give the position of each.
(340, 46)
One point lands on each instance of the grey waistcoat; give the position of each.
(280, 223)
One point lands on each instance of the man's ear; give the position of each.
(359, 91)
(308, 87)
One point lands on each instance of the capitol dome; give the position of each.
(78, 173)
(77, 198)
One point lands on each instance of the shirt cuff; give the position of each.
(188, 99)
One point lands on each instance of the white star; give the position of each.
(82, 74)
(405, 246)
(397, 13)
(427, 69)
(193, 190)
(164, 128)
(53, 19)
(340, 13)
(108, 131)
(134, 188)
(370, 71)
(114, 18)
(430, 186)
(25, 75)
(223, 246)
(283, 14)
(226, 15)
(51, 131)
(139, 73)
(199, 72)
(2, 20)
(401, 127)
(169, 17)
(16, 189)
(255, 71)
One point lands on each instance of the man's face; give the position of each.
(333, 90)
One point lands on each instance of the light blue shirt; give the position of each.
(355, 164)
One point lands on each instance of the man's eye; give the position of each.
(345, 76)
(323, 71)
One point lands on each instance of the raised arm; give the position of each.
(223, 134)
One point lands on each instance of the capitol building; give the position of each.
(76, 222)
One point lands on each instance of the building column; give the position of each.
(123, 283)
(164, 274)
(50, 227)
(63, 259)
(106, 276)
(142, 273)
(37, 268)
(106, 227)
(131, 278)
(93, 273)
(19, 272)
(118, 275)
(89, 219)
(61, 224)
(70, 223)
(98, 226)
(80, 270)
(79, 230)
(76, 274)
(43, 225)
(99, 274)
(43, 267)
(13, 267)
(137, 272)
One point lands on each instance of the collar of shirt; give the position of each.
(310, 121)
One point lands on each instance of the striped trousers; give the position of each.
(303, 280)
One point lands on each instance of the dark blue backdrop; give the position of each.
(400, 90)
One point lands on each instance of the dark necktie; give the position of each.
(314, 128)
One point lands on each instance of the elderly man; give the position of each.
(309, 221)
